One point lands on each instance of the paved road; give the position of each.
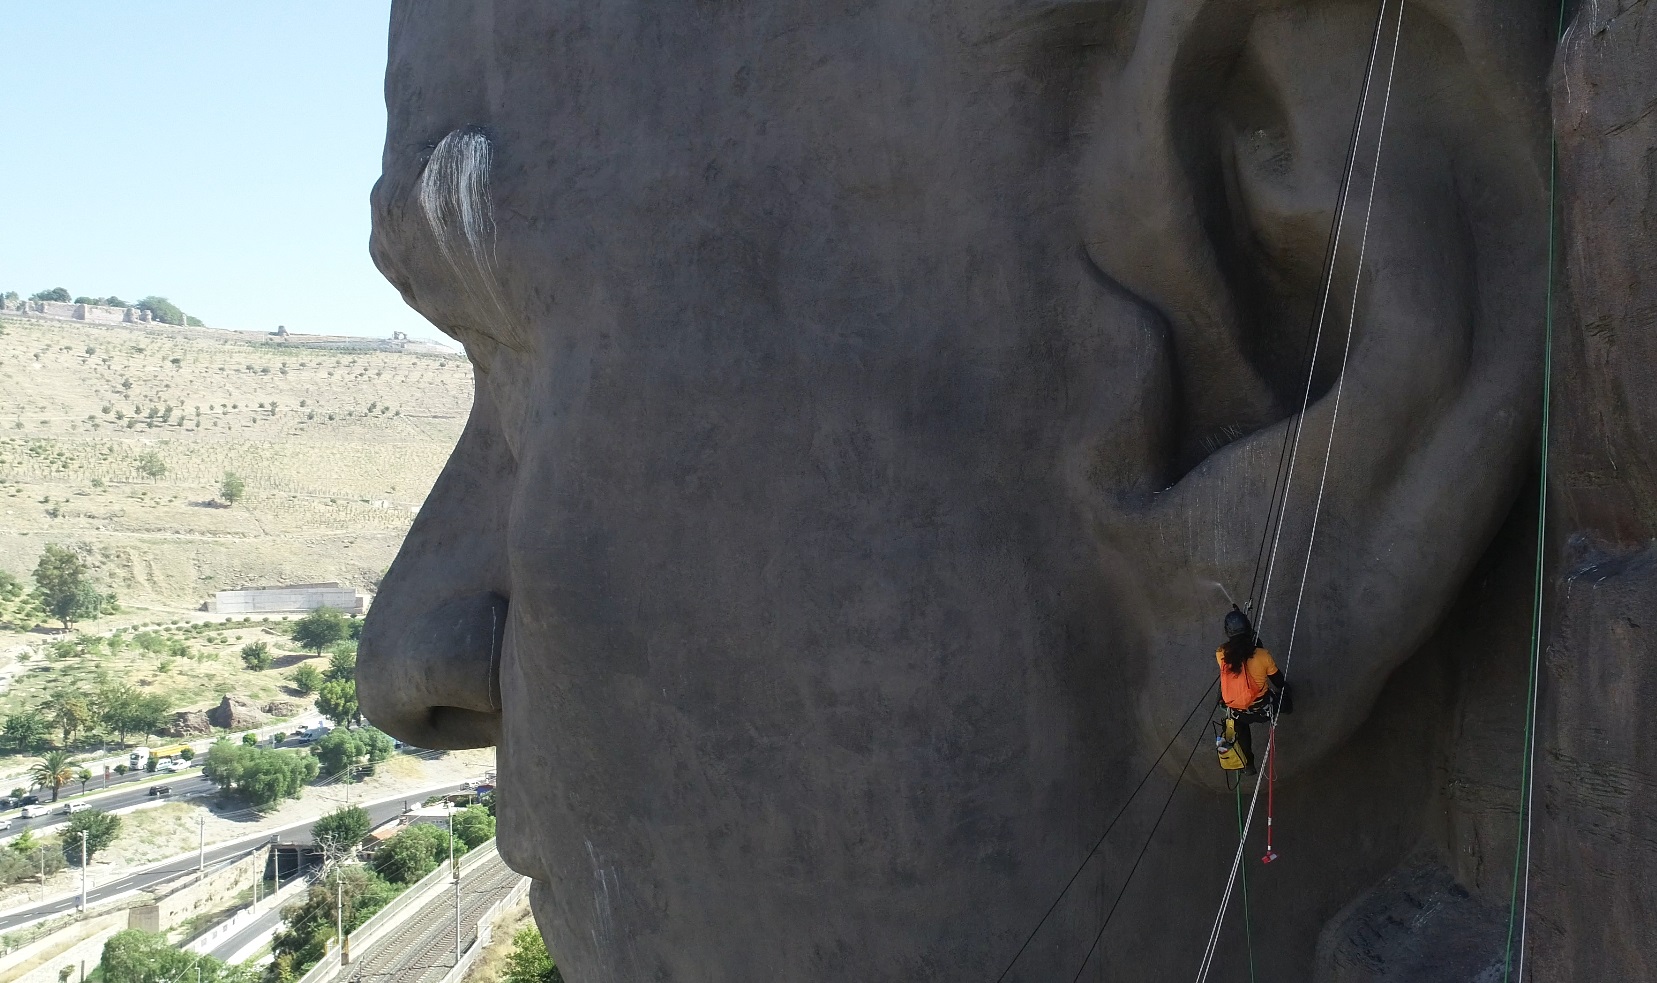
(422, 948)
(378, 812)
(184, 785)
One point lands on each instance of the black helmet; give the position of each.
(1236, 623)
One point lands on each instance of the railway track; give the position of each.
(422, 948)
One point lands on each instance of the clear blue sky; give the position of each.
(217, 154)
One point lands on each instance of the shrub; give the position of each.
(232, 488)
(529, 961)
(306, 679)
(256, 656)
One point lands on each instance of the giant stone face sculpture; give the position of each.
(874, 400)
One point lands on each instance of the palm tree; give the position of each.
(83, 775)
(54, 770)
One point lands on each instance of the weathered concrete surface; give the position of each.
(871, 398)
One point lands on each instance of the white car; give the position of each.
(31, 812)
(5, 824)
(73, 807)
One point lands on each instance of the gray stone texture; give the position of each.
(872, 398)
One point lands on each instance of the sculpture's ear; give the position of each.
(1213, 170)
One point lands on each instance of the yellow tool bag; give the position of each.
(1225, 745)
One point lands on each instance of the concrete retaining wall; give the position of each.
(271, 600)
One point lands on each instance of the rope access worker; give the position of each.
(1251, 686)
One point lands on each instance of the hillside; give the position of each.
(337, 448)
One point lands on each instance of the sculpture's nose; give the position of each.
(432, 678)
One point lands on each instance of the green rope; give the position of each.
(1248, 931)
(1527, 777)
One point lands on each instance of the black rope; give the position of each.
(1131, 870)
(1112, 825)
(1275, 510)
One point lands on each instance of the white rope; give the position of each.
(1334, 420)
(1259, 614)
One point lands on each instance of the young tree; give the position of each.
(100, 827)
(25, 732)
(337, 700)
(474, 825)
(68, 712)
(413, 853)
(83, 775)
(151, 466)
(54, 770)
(342, 662)
(256, 656)
(529, 961)
(64, 590)
(131, 712)
(305, 679)
(338, 750)
(341, 830)
(319, 629)
(232, 488)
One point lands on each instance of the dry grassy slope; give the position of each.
(338, 450)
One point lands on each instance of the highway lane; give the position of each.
(184, 785)
(378, 812)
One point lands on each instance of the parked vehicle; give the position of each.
(35, 811)
(29, 800)
(139, 757)
(73, 807)
(160, 790)
(5, 823)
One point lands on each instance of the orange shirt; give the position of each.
(1241, 690)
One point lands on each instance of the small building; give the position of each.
(292, 598)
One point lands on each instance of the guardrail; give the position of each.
(206, 941)
(486, 932)
(393, 913)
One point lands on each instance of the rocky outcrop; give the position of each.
(189, 723)
(235, 713)
(281, 709)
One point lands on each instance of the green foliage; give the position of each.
(340, 749)
(64, 589)
(124, 710)
(529, 961)
(249, 739)
(232, 488)
(100, 828)
(342, 662)
(319, 629)
(188, 754)
(413, 853)
(136, 956)
(56, 293)
(52, 771)
(68, 711)
(25, 732)
(150, 464)
(474, 825)
(262, 776)
(305, 679)
(256, 656)
(341, 830)
(309, 923)
(162, 309)
(337, 700)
